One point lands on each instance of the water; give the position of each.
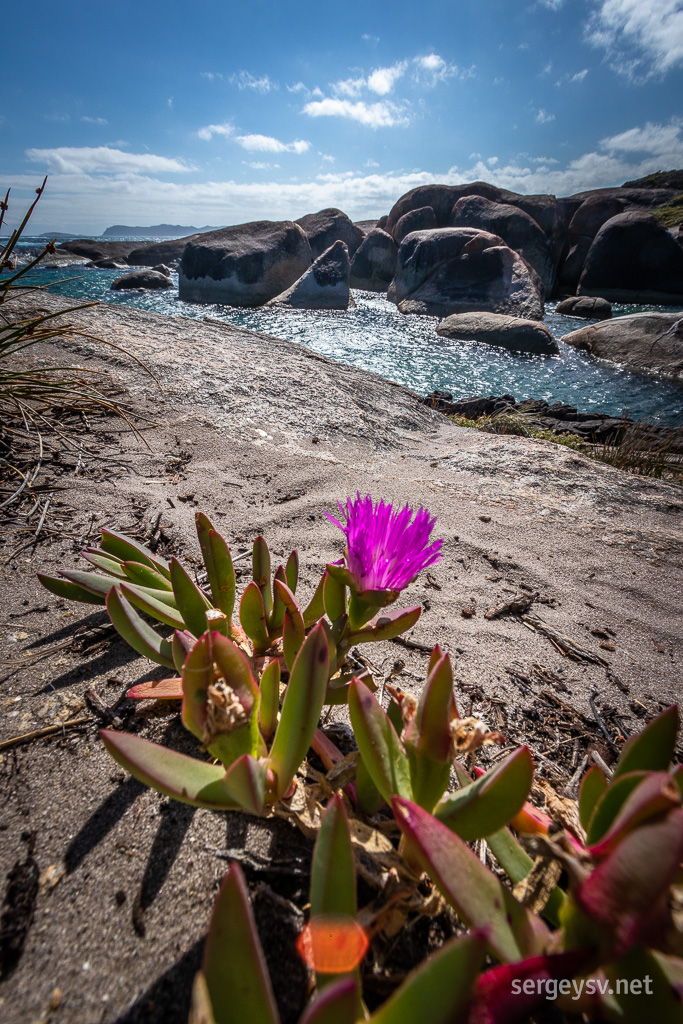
(406, 349)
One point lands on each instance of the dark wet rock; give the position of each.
(507, 332)
(651, 342)
(326, 227)
(325, 285)
(107, 264)
(244, 265)
(462, 270)
(169, 252)
(96, 249)
(161, 268)
(587, 306)
(374, 263)
(422, 219)
(441, 198)
(634, 259)
(141, 279)
(593, 213)
(571, 268)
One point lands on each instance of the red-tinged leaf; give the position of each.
(147, 601)
(234, 965)
(512, 992)
(593, 785)
(301, 708)
(328, 752)
(107, 563)
(98, 586)
(334, 596)
(336, 1004)
(333, 872)
(292, 571)
(626, 894)
(439, 991)
(145, 576)
(182, 643)
(137, 633)
(428, 731)
(191, 601)
(380, 747)
(269, 706)
(198, 674)
(316, 607)
(157, 689)
(677, 776)
(218, 562)
(652, 749)
(434, 659)
(184, 778)
(487, 805)
(253, 618)
(128, 549)
(386, 625)
(610, 803)
(294, 633)
(655, 796)
(260, 562)
(245, 783)
(478, 896)
(277, 615)
(62, 588)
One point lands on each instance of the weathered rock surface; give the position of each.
(461, 270)
(96, 249)
(593, 213)
(325, 285)
(326, 227)
(108, 264)
(571, 268)
(169, 252)
(587, 306)
(244, 265)
(634, 259)
(645, 341)
(374, 263)
(141, 279)
(508, 332)
(161, 268)
(422, 219)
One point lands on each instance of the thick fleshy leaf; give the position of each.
(500, 995)
(145, 576)
(386, 625)
(128, 549)
(107, 563)
(334, 596)
(147, 601)
(316, 607)
(98, 586)
(642, 990)
(369, 797)
(217, 622)
(652, 749)
(379, 745)
(294, 633)
(253, 618)
(292, 571)
(245, 783)
(218, 562)
(517, 864)
(434, 659)
(137, 633)
(656, 795)
(333, 872)
(157, 689)
(62, 588)
(593, 785)
(488, 804)
(301, 709)
(269, 706)
(277, 616)
(610, 803)
(191, 601)
(439, 991)
(478, 896)
(234, 965)
(338, 687)
(182, 643)
(336, 1004)
(428, 731)
(260, 562)
(198, 674)
(184, 778)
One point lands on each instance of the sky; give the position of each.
(215, 112)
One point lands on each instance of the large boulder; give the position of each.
(244, 265)
(510, 332)
(326, 227)
(587, 306)
(460, 270)
(96, 249)
(168, 252)
(440, 197)
(514, 226)
(325, 285)
(650, 342)
(593, 213)
(141, 279)
(571, 267)
(634, 259)
(108, 264)
(374, 263)
(422, 219)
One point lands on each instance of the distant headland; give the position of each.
(155, 229)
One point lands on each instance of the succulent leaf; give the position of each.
(334, 596)
(253, 618)
(292, 571)
(154, 603)
(386, 626)
(218, 563)
(245, 783)
(72, 591)
(137, 633)
(261, 572)
(191, 601)
(269, 706)
(593, 785)
(128, 549)
(336, 1004)
(145, 576)
(380, 747)
(488, 804)
(333, 872)
(652, 749)
(315, 609)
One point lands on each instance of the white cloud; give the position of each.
(245, 80)
(432, 69)
(351, 87)
(102, 159)
(212, 76)
(367, 38)
(259, 165)
(383, 80)
(542, 117)
(374, 115)
(370, 163)
(579, 76)
(554, 5)
(210, 130)
(657, 139)
(327, 158)
(642, 38)
(100, 121)
(267, 144)
(492, 161)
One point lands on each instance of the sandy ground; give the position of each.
(263, 436)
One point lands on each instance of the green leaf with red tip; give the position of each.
(245, 783)
(434, 659)
(316, 607)
(334, 596)
(610, 803)
(338, 687)
(428, 731)
(513, 992)
(260, 562)
(333, 872)
(332, 634)
(253, 618)
(336, 1004)
(292, 571)
(145, 576)
(379, 744)
(191, 601)
(439, 991)
(198, 674)
(62, 588)
(128, 549)
(301, 708)
(479, 897)
(652, 749)
(137, 633)
(487, 805)
(153, 603)
(234, 965)
(182, 643)
(184, 778)
(277, 616)
(593, 785)
(218, 563)
(656, 795)
(386, 625)
(92, 582)
(269, 706)
(107, 563)
(517, 864)
(293, 636)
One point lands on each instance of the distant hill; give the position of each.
(155, 229)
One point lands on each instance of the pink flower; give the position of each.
(386, 549)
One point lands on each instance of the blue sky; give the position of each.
(224, 112)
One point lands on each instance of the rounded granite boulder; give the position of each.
(510, 332)
(650, 342)
(590, 307)
(326, 227)
(141, 279)
(374, 263)
(422, 219)
(325, 285)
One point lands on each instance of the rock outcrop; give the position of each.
(422, 219)
(510, 332)
(374, 263)
(168, 252)
(326, 227)
(244, 265)
(97, 249)
(325, 285)
(651, 342)
(461, 270)
(151, 279)
(590, 308)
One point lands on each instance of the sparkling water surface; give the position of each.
(406, 349)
